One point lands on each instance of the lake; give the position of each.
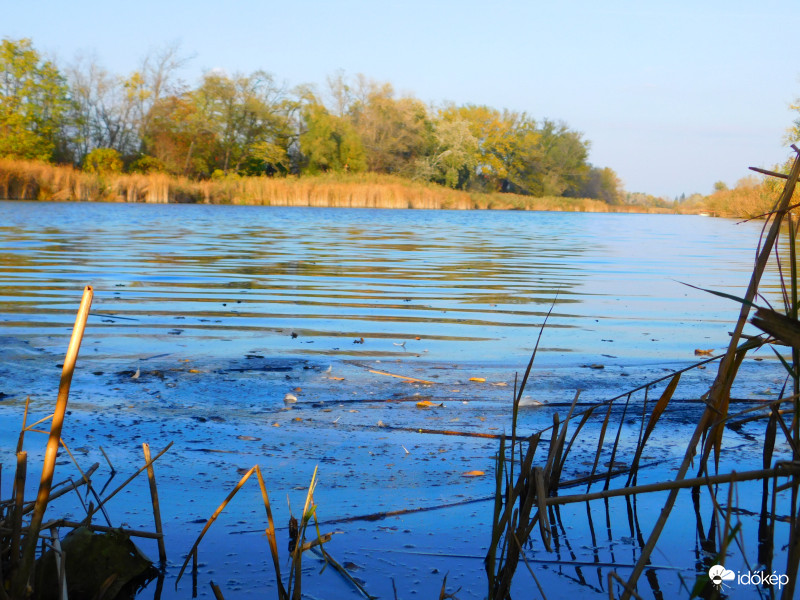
(204, 317)
(452, 285)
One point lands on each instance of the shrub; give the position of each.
(103, 161)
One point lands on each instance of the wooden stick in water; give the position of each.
(151, 475)
(19, 500)
(21, 440)
(785, 470)
(150, 535)
(217, 592)
(108, 460)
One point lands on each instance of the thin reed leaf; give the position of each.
(270, 533)
(786, 365)
(600, 439)
(616, 443)
(658, 410)
(535, 349)
(211, 520)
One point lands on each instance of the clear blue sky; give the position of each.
(673, 95)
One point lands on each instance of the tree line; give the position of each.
(252, 125)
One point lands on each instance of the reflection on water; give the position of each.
(469, 285)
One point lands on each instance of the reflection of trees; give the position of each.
(407, 270)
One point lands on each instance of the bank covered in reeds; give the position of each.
(29, 180)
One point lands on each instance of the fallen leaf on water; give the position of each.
(500, 384)
(427, 404)
(276, 424)
(336, 378)
(136, 375)
(473, 474)
(298, 419)
(597, 366)
(248, 438)
(699, 352)
(194, 371)
(478, 379)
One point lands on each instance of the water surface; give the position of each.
(451, 285)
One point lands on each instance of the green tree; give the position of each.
(329, 143)
(556, 164)
(455, 156)
(502, 138)
(249, 117)
(33, 102)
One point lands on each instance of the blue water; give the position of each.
(191, 341)
(472, 286)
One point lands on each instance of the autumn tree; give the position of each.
(395, 132)
(249, 117)
(103, 161)
(33, 102)
(329, 142)
(111, 111)
(455, 156)
(179, 137)
(500, 138)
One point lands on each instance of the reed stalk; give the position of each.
(151, 476)
(19, 501)
(26, 566)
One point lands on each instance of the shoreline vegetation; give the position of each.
(78, 132)
(37, 180)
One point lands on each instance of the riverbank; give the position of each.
(27, 180)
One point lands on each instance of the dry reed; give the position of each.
(28, 180)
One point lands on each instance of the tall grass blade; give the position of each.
(271, 539)
(658, 410)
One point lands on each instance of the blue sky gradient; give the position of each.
(672, 95)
